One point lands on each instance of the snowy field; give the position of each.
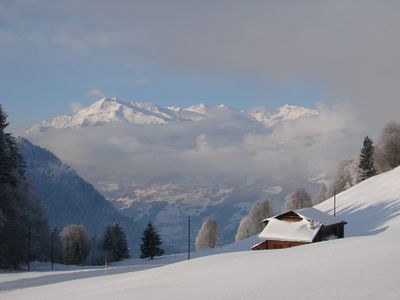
(364, 265)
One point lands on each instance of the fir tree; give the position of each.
(22, 221)
(121, 250)
(151, 243)
(366, 166)
(115, 243)
(108, 242)
(5, 166)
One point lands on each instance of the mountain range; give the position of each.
(112, 110)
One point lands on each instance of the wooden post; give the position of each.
(188, 237)
(29, 248)
(334, 201)
(67, 258)
(52, 249)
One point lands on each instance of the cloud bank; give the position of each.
(231, 149)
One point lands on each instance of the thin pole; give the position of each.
(29, 248)
(67, 258)
(52, 249)
(188, 237)
(334, 201)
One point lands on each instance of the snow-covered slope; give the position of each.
(363, 265)
(111, 110)
(371, 207)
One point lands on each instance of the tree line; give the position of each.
(372, 159)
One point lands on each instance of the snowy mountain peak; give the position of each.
(199, 108)
(106, 111)
(106, 102)
(291, 112)
(284, 113)
(110, 110)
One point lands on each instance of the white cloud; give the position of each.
(95, 93)
(232, 149)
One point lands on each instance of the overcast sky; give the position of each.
(241, 53)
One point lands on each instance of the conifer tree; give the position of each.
(5, 167)
(151, 243)
(23, 226)
(121, 244)
(366, 166)
(115, 243)
(108, 242)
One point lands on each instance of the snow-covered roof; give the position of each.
(302, 231)
(289, 231)
(312, 213)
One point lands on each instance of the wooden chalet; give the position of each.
(299, 227)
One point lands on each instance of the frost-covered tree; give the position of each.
(297, 199)
(75, 244)
(115, 243)
(251, 224)
(151, 243)
(346, 176)
(321, 196)
(208, 235)
(388, 147)
(366, 167)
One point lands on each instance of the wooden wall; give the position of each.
(277, 245)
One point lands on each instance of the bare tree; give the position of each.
(297, 199)
(75, 244)
(346, 177)
(251, 224)
(387, 154)
(208, 235)
(321, 196)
